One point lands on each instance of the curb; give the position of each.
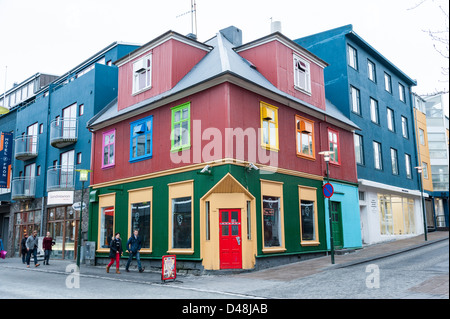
(396, 252)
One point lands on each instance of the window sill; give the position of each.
(134, 160)
(306, 157)
(271, 250)
(180, 251)
(310, 243)
(302, 90)
(270, 148)
(141, 91)
(179, 149)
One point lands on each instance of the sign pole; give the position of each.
(331, 224)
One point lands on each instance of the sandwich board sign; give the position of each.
(169, 268)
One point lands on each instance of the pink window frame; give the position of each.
(103, 148)
(338, 144)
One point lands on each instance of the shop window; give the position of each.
(309, 228)
(305, 137)
(272, 216)
(106, 221)
(108, 146)
(181, 219)
(141, 139)
(269, 126)
(140, 216)
(181, 127)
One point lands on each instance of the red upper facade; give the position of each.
(179, 100)
(156, 67)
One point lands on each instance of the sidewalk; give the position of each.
(286, 272)
(366, 254)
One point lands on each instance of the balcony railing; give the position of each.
(63, 132)
(61, 178)
(26, 147)
(23, 188)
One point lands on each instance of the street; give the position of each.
(420, 273)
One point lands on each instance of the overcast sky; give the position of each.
(53, 36)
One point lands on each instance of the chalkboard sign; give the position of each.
(169, 268)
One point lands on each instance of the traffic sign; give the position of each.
(328, 190)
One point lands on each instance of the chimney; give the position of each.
(232, 34)
(275, 26)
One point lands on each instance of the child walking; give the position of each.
(115, 251)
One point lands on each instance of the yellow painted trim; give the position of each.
(224, 161)
(310, 194)
(176, 190)
(141, 195)
(275, 189)
(105, 200)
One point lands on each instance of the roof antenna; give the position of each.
(193, 13)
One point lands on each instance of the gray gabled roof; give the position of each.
(221, 64)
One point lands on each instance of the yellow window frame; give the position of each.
(269, 117)
(309, 194)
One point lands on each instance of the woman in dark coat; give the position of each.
(115, 251)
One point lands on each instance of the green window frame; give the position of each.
(181, 127)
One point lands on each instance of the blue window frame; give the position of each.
(141, 139)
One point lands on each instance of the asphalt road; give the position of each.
(420, 273)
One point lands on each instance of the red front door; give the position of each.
(230, 238)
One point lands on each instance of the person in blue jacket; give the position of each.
(134, 245)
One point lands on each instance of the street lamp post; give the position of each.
(419, 170)
(326, 157)
(83, 178)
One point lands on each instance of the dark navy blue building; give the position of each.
(375, 95)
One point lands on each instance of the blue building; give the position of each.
(51, 142)
(376, 95)
(20, 94)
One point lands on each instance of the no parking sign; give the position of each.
(328, 190)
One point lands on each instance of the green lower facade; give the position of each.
(228, 218)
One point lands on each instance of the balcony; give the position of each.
(61, 178)
(26, 147)
(23, 188)
(63, 132)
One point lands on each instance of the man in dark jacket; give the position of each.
(23, 248)
(134, 245)
(32, 245)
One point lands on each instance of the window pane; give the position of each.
(140, 145)
(111, 154)
(176, 135)
(185, 133)
(272, 131)
(140, 220)
(271, 219)
(185, 114)
(265, 132)
(177, 116)
(307, 215)
(181, 222)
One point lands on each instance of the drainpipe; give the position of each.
(43, 205)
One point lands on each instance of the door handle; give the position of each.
(238, 240)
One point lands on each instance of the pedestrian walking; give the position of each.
(32, 245)
(47, 244)
(134, 245)
(115, 251)
(23, 248)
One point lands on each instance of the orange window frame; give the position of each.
(302, 126)
(337, 146)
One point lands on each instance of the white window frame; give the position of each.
(302, 70)
(137, 72)
(352, 57)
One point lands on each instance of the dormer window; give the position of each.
(142, 76)
(302, 77)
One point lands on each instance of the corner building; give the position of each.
(211, 152)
